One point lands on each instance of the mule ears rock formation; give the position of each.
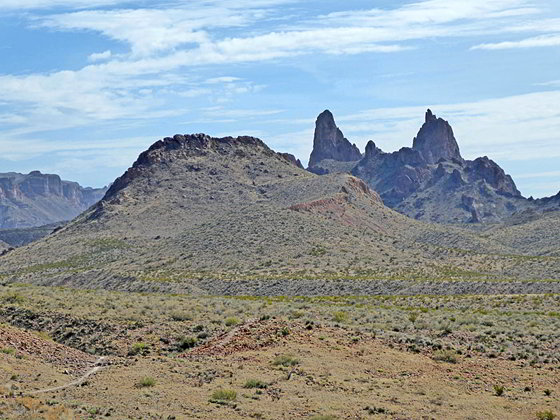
(330, 143)
(436, 141)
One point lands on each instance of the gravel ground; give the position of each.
(307, 287)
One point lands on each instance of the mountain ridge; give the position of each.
(37, 199)
(431, 181)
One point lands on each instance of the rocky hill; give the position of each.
(38, 199)
(199, 214)
(431, 181)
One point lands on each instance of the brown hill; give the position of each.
(194, 210)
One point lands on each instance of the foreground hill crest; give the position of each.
(184, 146)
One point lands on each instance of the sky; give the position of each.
(86, 85)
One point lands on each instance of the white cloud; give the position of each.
(100, 56)
(520, 127)
(539, 175)
(49, 4)
(552, 40)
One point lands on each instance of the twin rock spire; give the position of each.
(434, 141)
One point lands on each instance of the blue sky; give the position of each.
(86, 85)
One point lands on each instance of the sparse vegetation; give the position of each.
(285, 360)
(232, 321)
(499, 390)
(146, 382)
(255, 383)
(448, 356)
(546, 415)
(138, 348)
(223, 395)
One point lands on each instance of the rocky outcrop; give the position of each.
(430, 180)
(292, 159)
(436, 140)
(38, 199)
(330, 143)
(489, 171)
(182, 146)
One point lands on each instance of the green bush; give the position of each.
(255, 383)
(231, 321)
(187, 343)
(499, 390)
(340, 316)
(285, 360)
(448, 356)
(146, 382)
(221, 395)
(546, 415)
(138, 348)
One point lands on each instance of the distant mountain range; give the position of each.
(38, 199)
(429, 181)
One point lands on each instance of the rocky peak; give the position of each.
(486, 169)
(330, 143)
(169, 149)
(372, 150)
(436, 140)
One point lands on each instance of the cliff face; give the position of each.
(436, 140)
(330, 143)
(38, 199)
(428, 181)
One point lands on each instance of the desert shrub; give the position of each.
(547, 392)
(255, 383)
(146, 382)
(232, 321)
(7, 350)
(13, 298)
(499, 390)
(138, 348)
(448, 356)
(285, 360)
(546, 415)
(221, 395)
(187, 343)
(340, 316)
(376, 410)
(180, 316)
(323, 418)
(285, 331)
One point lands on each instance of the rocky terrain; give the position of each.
(429, 181)
(201, 215)
(219, 279)
(38, 199)
(23, 236)
(67, 353)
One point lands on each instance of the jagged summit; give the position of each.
(185, 146)
(436, 140)
(329, 142)
(428, 181)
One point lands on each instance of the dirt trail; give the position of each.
(99, 364)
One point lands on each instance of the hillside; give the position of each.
(24, 236)
(37, 199)
(195, 210)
